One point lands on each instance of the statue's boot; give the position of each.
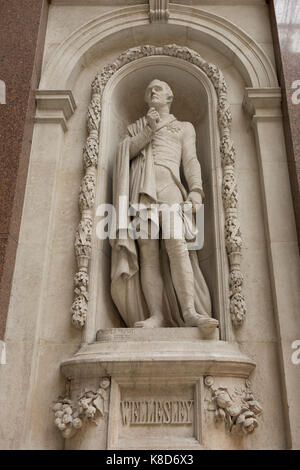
(183, 280)
(206, 323)
(151, 322)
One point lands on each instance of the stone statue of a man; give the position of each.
(158, 282)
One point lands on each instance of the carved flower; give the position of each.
(227, 151)
(87, 192)
(236, 281)
(67, 418)
(210, 69)
(230, 197)
(57, 407)
(61, 426)
(171, 49)
(79, 311)
(148, 50)
(77, 423)
(224, 116)
(237, 309)
(90, 152)
(249, 425)
(184, 54)
(209, 380)
(233, 235)
(247, 422)
(83, 238)
(81, 279)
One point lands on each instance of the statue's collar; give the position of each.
(165, 121)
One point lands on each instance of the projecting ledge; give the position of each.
(165, 352)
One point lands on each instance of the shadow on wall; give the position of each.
(2, 92)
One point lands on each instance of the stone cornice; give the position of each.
(263, 102)
(121, 355)
(54, 106)
(139, 2)
(98, 2)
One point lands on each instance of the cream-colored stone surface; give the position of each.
(266, 386)
(61, 23)
(265, 108)
(208, 28)
(266, 382)
(40, 433)
(39, 334)
(252, 18)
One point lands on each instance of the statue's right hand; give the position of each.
(152, 118)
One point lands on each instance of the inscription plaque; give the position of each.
(156, 411)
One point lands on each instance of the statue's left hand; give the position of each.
(195, 198)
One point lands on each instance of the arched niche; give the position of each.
(195, 101)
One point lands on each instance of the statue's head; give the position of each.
(158, 94)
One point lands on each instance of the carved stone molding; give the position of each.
(54, 106)
(120, 351)
(159, 11)
(70, 415)
(236, 407)
(263, 103)
(249, 58)
(233, 238)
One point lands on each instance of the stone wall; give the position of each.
(80, 41)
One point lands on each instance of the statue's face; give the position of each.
(158, 94)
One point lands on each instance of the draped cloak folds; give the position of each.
(134, 182)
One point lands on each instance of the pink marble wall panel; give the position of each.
(22, 33)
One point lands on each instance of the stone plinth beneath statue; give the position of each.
(157, 395)
(163, 351)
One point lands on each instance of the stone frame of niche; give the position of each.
(233, 241)
(151, 64)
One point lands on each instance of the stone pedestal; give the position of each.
(162, 387)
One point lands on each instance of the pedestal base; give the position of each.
(158, 393)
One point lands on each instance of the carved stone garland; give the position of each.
(70, 415)
(233, 238)
(237, 407)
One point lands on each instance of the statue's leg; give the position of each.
(180, 264)
(181, 268)
(152, 283)
(183, 280)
